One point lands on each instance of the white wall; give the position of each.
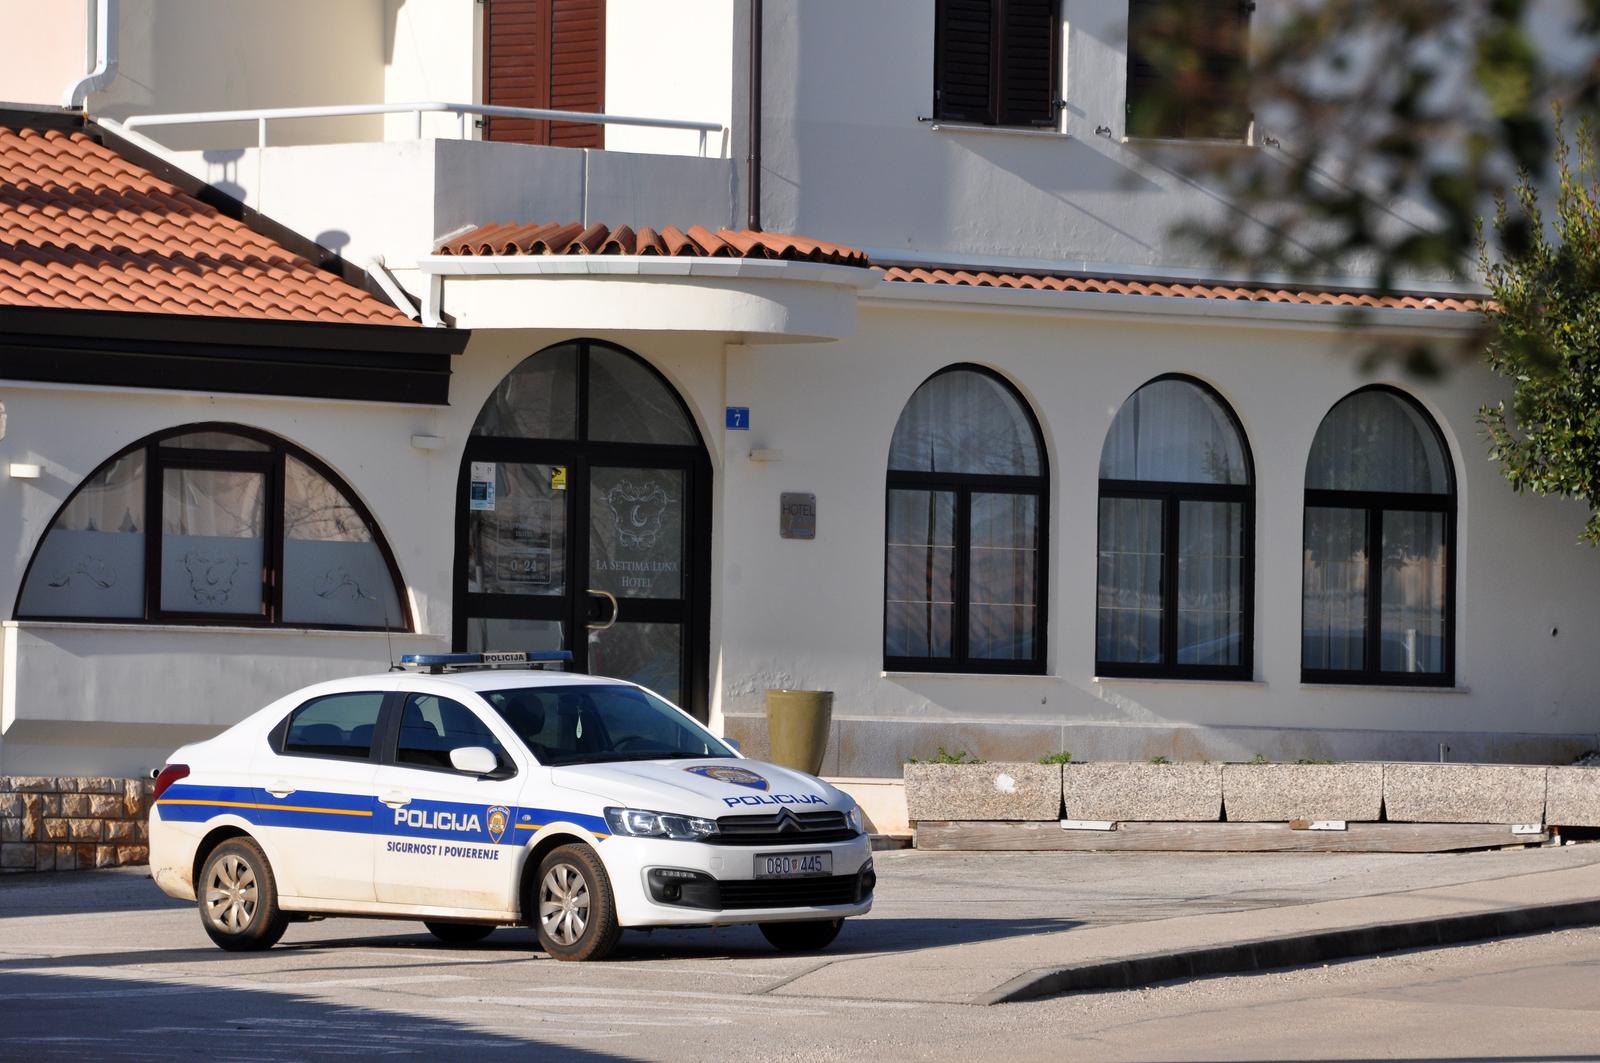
(671, 59)
(40, 57)
(433, 53)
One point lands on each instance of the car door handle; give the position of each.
(280, 789)
(606, 625)
(395, 799)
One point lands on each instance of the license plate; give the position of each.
(793, 865)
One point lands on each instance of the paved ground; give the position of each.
(102, 966)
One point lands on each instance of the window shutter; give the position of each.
(1027, 62)
(547, 54)
(964, 41)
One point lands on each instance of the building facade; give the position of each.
(987, 453)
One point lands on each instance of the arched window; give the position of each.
(217, 524)
(1176, 541)
(964, 561)
(1379, 561)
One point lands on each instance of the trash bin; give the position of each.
(797, 727)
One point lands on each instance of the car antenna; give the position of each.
(388, 640)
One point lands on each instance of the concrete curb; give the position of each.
(1293, 950)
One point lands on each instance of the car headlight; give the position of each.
(856, 820)
(641, 823)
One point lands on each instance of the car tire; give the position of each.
(238, 898)
(812, 935)
(571, 905)
(459, 933)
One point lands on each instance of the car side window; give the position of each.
(431, 726)
(336, 725)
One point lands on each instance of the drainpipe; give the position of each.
(104, 22)
(754, 165)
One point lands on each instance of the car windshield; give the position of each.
(599, 723)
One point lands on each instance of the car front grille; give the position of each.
(783, 828)
(791, 892)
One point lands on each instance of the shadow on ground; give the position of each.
(70, 1017)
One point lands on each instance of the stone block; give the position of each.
(105, 856)
(136, 797)
(1573, 797)
(983, 791)
(120, 830)
(55, 830)
(105, 806)
(83, 853)
(11, 829)
(66, 858)
(70, 805)
(50, 804)
(17, 857)
(1277, 793)
(32, 815)
(1151, 792)
(11, 805)
(35, 784)
(84, 830)
(44, 858)
(1463, 793)
(99, 785)
(132, 854)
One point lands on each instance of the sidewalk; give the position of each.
(1474, 896)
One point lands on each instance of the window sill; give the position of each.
(1190, 142)
(969, 675)
(278, 630)
(1387, 688)
(1102, 680)
(996, 130)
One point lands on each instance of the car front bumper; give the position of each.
(737, 896)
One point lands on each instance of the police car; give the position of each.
(471, 796)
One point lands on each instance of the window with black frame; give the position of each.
(1379, 560)
(1175, 539)
(1188, 69)
(996, 61)
(215, 524)
(966, 538)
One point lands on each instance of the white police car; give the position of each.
(471, 799)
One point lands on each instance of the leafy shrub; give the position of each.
(1159, 760)
(1063, 757)
(960, 756)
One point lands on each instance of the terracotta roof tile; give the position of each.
(81, 227)
(1065, 282)
(556, 238)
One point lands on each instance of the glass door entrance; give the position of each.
(576, 539)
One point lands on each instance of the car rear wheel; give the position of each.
(239, 898)
(573, 909)
(459, 933)
(809, 936)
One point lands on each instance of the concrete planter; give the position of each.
(1463, 793)
(1155, 792)
(1573, 797)
(983, 791)
(1277, 793)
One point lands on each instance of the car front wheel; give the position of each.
(239, 898)
(809, 936)
(573, 908)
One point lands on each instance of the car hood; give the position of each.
(710, 788)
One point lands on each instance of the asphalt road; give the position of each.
(101, 966)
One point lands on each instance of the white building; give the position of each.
(1071, 488)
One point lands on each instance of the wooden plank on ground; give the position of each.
(1221, 837)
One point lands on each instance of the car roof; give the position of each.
(480, 679)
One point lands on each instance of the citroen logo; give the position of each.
(786, 821)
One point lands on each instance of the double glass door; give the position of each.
(588, 544)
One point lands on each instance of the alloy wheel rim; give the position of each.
(564, 904)
(231, 894)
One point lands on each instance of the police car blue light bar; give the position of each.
(438, 662)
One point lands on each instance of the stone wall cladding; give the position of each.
(62, 823)
(1001, 791)
(1573, 797)
(1156, 792)
(1463, 793)
(1276, 793)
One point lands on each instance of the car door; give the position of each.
(450, 838)
(315, 795)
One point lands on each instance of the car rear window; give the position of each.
(337, 725)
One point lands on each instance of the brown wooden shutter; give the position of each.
(1188, 68)
(1028, 65)
(547, 54)
(964, 42)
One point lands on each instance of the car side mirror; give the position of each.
(733, 744)
(474, 760)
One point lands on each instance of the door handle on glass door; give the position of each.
(280, 789)
(395, 799)
(612, 598)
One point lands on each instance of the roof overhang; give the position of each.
(760, 300)
(188, 352)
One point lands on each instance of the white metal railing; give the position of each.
(262, 115)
